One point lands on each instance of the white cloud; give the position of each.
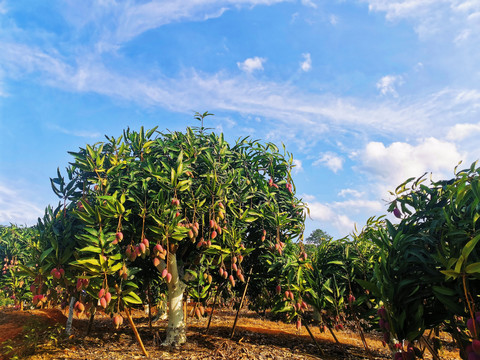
(306, 64)
(298, 166)
(77, 133)
(333, 19)
(339, 213)
(350, 193)
(387, 84)
(359, 206)
(390, 165)
(331, 161)
(131, 19)
(462, 131)
(309, 3)
(325, 214)
(15, 208)
(251, 64)
(300, 116)
(454, 18)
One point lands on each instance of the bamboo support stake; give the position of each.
(241, 303)
(314, 340)
(362, 336)
(219, 290)
(137, 335)
(430, 349)
(333, 334)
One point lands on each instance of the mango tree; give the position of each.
(428, 266)
(17, 246)
(185, 208)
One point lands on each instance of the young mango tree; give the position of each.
(185, 208)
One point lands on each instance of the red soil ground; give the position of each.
(255, 338)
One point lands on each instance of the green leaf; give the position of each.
(132, 298)
(473, 268)
(45, 254)
(450, 273)
(93, 249)
(470, 246)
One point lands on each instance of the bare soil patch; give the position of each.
(255, 338)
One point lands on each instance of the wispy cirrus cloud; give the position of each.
(129, 19)
(314, 113)
(457, 19)
(77, 133)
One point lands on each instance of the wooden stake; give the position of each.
(314, 340)
(333, 334)
(185, 311)
(211, 312)
(241, 303)
(137, 335)
(219, 290)
(362, 336)
(430, 349)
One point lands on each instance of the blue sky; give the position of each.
(364, 93)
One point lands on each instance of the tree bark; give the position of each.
(68, 328)
(176, 332)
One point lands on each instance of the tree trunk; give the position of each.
(176, 332)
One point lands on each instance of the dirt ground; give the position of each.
(32, 335)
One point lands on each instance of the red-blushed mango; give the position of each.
(103, 302)
(101, 293)
(232, 281)
(156, 261)
(117, 321)
(169, 277)
(213, 234)
(108, 297)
